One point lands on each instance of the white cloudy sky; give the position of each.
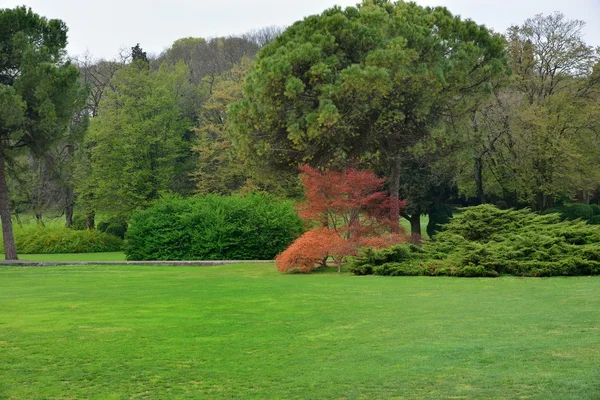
(103, 27)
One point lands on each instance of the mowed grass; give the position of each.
(246, 331)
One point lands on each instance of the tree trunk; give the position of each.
(69, 195)
(479, 180)
(415, 226)
(395, 195)
(69, 207)
(10, 249)
(90, 222)
(544, 201)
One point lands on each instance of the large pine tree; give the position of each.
(39, 91)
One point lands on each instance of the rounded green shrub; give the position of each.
(577, 211)
(595, 209)
(253, 227)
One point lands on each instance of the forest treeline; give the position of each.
(448, 111)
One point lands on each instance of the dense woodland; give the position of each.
(443, 110)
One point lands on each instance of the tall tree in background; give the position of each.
(139, 141)
(219, 170)
(139, 55)
(367, 81)
(555, 130)
(39, 91)
(536, 139)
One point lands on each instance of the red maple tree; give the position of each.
(352, 211)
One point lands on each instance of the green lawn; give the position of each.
(246, 331)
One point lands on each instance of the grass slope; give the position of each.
(245, 331)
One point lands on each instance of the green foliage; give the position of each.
(37, 239)
(595, 209)
(362, 83)
(115, 225)
(487, 241)
(577, 211)
(220, 169)
(139, 141)
(212, 228)
(78, 222)
(439, 215)
(535, 141)
(39, 93)
(370, 258)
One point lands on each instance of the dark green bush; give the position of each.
(595, 209)
(439, 215)
(115, 225)
(51, 240)
(575, 211)
(487, 241)
(249, 227)
(595, 220)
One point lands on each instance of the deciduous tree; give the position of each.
(140, 140)
(536, 139)
(351, 211)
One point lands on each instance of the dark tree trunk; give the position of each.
(415, 226)
(395, 195)
(10, 249)
(479, 180)
(69, 207)
(69, 195)
(90, 222)
(544, 201)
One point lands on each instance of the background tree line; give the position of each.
(444, 109)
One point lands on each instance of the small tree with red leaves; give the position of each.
(353, 212)
(310, 250)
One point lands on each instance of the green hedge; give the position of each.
(53, 240)
(253, 227)
(487, 241)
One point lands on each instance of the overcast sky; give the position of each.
(103, 27)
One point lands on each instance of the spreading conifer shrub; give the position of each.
(253, 227)
(53, 240)
(486, 241)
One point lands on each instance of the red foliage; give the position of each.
(351, 202)
(353, 211)
(312, 249)
(309, 250)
